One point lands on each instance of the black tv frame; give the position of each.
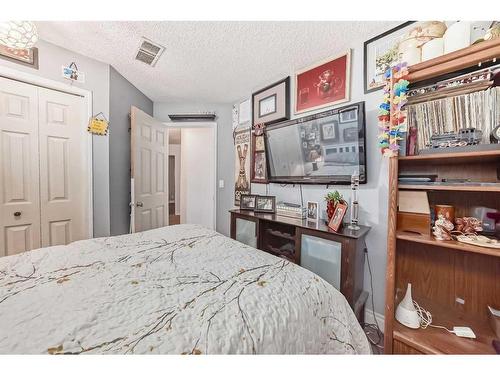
(321, 180)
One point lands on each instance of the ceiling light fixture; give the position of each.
(18, 34)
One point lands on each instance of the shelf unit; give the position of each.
(454, 281)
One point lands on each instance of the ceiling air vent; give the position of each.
(149, 52)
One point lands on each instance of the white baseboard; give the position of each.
(369, 318)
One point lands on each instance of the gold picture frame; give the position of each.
(27, 57)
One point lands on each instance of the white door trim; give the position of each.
(47, 83)
(207, 124)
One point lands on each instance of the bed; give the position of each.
(182, 289)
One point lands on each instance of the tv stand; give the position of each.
(338, 258)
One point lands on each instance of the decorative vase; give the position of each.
(447, 211)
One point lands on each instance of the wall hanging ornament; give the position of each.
(242, 164)
(259, 163)
(98, 124)
(392, 115)
(72, 73)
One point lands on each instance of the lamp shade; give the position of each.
(18, 34)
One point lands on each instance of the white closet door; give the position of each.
(19, 170)
(63, 168)
(149, 160)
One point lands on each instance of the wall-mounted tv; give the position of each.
(324, 148)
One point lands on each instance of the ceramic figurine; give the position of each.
(442, 229)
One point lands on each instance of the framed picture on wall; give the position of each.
(380, 53)
(242, 155)
(244, 112)
(323, 84)
(272, 103)
(27, 57)
(259, 164)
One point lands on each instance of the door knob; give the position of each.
(139, 204)
(17, 213)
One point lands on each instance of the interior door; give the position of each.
(19, 170)
(63, 168)
(198, 176)
(149, 160)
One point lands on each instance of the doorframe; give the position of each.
(210, 125)
(35, 80)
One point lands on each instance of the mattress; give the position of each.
(182, 289)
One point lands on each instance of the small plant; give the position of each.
(334, 197)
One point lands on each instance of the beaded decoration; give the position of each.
(392, 116)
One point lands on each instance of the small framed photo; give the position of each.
(259, 143)
(265, 204)
(338, 215)
(312, 211)
(259, 172)
(247, 202)
(271, 104)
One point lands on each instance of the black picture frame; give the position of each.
(365, 55)
(286, 101)
(244, 197)
(267, 198)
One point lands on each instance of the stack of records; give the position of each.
(479, 110)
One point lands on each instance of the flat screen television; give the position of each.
(324, 148)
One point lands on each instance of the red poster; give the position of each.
(323, 85)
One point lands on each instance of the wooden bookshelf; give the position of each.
(454, 281)
(442, 271)
(455, 61)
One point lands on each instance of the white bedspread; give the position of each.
(179, 289)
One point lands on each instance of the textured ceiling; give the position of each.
(216, 62)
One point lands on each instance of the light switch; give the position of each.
(221, 184)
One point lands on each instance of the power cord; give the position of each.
(426, 318)
(371, 326)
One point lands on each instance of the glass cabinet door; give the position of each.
(323, 257)
(246, 232)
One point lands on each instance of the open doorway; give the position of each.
(192, 173)
(174, 176)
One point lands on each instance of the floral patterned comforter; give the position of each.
(176, 290)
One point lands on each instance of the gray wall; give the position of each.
(51, 59)
(225, 159)
(122, 95)
(372, 196)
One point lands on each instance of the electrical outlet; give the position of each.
(221, 184)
